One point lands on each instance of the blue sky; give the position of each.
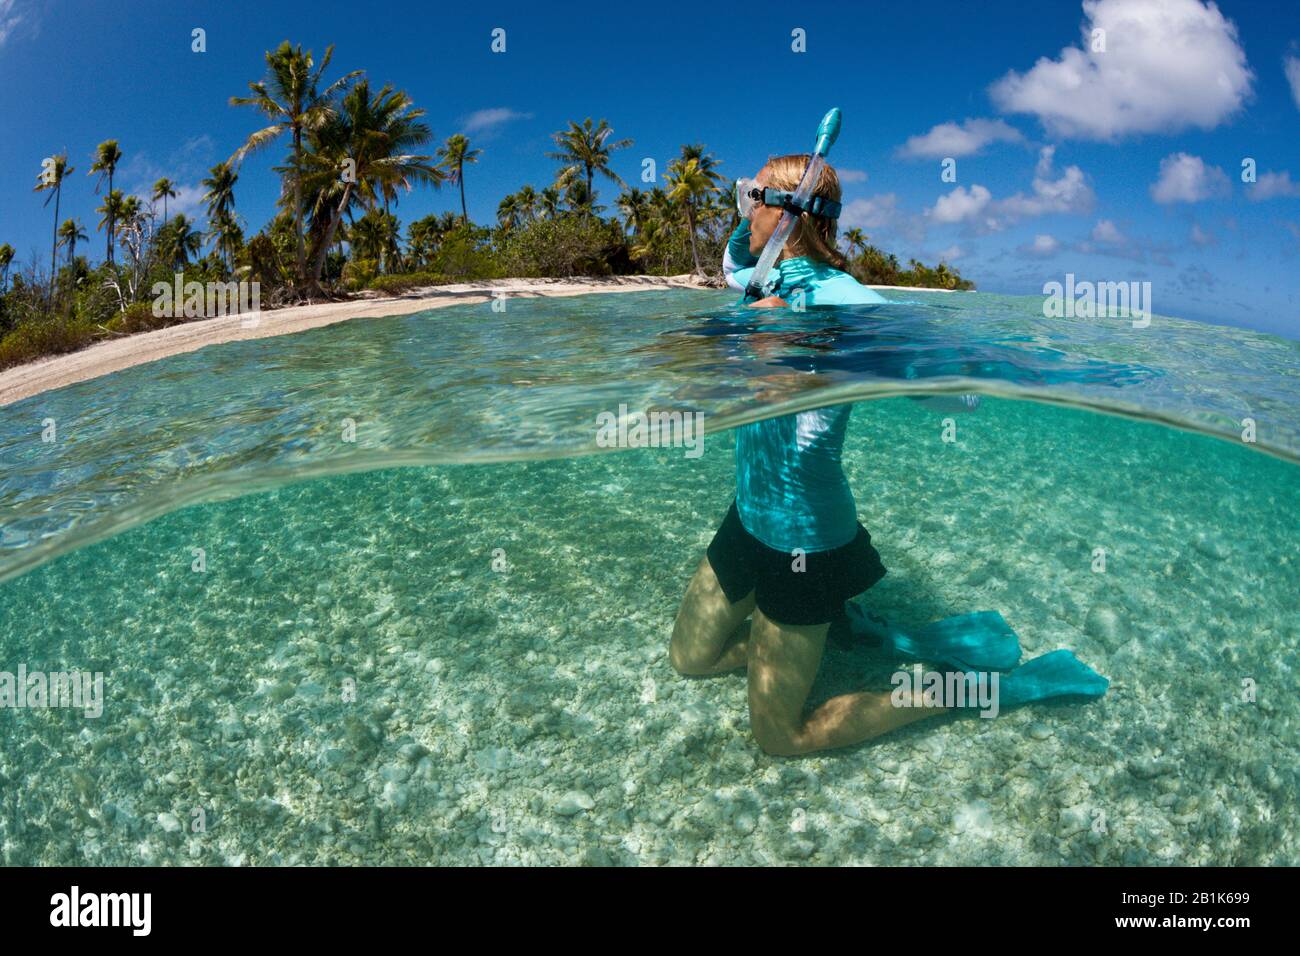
(1116, 165)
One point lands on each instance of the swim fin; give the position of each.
(979, 641)
(1054, 674)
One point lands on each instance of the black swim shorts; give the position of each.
(814, 595)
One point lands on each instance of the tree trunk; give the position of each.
(110, 217)
(327, 240)
(297, 203)
(460, 175)
(690, 224)
(54, 249)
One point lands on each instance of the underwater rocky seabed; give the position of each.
(531, 717)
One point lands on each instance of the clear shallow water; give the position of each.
(466, 384)
(484, 697)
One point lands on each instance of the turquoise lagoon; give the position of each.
(431, 618)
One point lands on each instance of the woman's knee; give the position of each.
(775, 740)
(681, 659)
(687, 661)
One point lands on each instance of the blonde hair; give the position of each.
(813, 236)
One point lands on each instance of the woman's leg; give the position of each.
(783, 661)
(708, 636)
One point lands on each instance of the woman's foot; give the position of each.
(1054, 674)
(979, 641)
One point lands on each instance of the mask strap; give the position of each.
(816, 205)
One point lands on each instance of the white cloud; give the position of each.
(951, 254)
(961, 204)
(1067, 193)
(1106, 231)
(188, 201)
(199, 147)
(1291, 64)
(486, 121)
(1185, 178)
(951, 139)
(1167, 65)
(1273, 186)
(10, 19)
(878, 212)
(1200, 237)
(1042, 246)
(851, 175)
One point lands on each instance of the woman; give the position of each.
(791, 551)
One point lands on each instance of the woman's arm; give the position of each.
(771, 302)
(736, 256)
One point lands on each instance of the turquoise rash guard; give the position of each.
(790, 487)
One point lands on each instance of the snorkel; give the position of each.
(827, 133)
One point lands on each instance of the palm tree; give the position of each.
(164, 189)
(688, 183)
(127, 218)
(110, 212)
(129, 211)
(178, 241)
(453, 157)
(6, 257)
(586, 149)
(634, 204)
(854, 240)
(422, 239)
(51, 180)
(220, 198)
(653, 242)
(107, 156)
(224, 230)
(70, 233)
(527, 201)
(580, 198)
(376, 235)
(708, 163)
(508, 212)
(548, 202)
(291, 96)
(376, 133)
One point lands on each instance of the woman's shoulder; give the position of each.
(835, 287)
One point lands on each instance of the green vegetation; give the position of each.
(351, 154)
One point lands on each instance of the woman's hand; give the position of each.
(771, 302)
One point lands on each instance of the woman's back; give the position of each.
(821, 284)
(790, 488)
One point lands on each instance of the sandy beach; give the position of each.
(102, 358)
